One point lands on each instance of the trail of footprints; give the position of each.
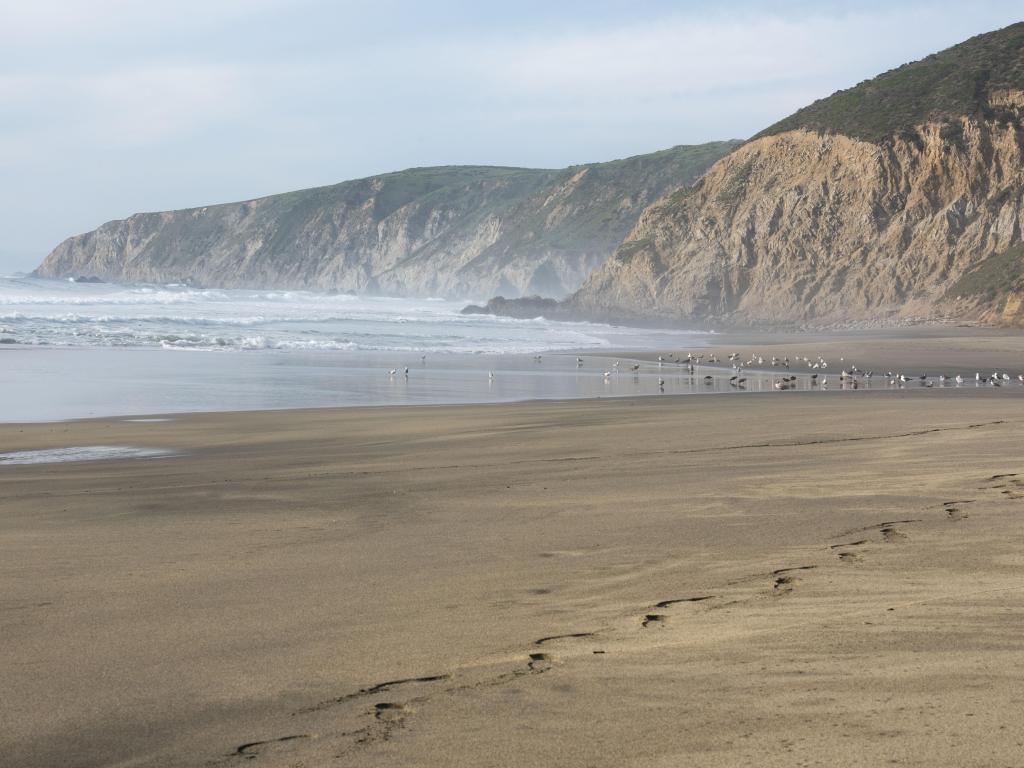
(387, 716)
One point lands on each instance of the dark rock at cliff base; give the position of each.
(87, 279)
(525, 308)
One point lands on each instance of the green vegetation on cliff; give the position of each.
(953, 83)
(992, 279)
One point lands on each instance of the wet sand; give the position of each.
(780, 579)
(915, 351)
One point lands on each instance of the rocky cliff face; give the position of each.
(801, 226)
(898, 198)
(455, 231)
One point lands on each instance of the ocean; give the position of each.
(76, 350)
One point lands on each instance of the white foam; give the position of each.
(46, 313)
(81, 453)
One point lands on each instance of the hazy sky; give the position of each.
(110, 107)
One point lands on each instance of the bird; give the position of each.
(407, 371)
(959, 379)
(709, 379)
(579, 361)
(661, 382)
(392, 372)
(490, 374)
(607, 374)
(635, 367)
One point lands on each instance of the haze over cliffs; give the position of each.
(900, 197)
(451, 231)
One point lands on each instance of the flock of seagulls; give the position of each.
(849, 376)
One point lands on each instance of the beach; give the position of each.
(775, 579)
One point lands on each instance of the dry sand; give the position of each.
(774, 580)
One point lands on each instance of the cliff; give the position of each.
(449, 231)
(899, 198)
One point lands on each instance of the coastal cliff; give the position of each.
(898, 199)
(451, 231)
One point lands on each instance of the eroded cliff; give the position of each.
(452, 231)
(805, 226)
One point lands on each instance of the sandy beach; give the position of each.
(779, 579)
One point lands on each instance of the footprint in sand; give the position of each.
(785, 580)
(539, 662)
(570, 636)
(784, 584)
(1010, 484)
(953, 509)
(653, 618)
(849, 557)
(857, 543)
(389, 711)
(675, 600)
(891, 533)
(253, 749)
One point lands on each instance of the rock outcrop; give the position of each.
(450, 231)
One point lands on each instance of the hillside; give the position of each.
(897, 199)
(448, 231)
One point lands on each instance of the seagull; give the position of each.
(490, 374)
(579, 361)
(392, 372)
(636, 368)
(407, 371)
(607, 374)
(959, 379)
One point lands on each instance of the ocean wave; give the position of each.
(45, 313)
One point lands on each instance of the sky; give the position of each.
(110, 107)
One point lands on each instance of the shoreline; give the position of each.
(134, 382)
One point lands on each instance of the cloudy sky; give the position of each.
(109, 107)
